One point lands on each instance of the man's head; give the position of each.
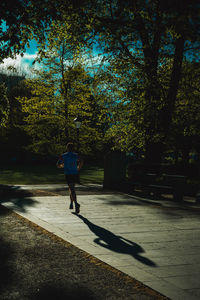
(70, 147)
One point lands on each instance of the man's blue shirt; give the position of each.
(70, 162)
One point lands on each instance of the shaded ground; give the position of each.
(35, 264)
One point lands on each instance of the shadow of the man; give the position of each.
(109, 240)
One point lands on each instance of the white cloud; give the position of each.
(20, 63)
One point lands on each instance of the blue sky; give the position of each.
(33, 47)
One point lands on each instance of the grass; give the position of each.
(43, 174)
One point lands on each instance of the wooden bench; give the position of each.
(170, 184)
(159, 184)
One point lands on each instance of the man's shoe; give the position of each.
(77, 208)
(71, 205)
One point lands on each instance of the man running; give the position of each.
(72, 163)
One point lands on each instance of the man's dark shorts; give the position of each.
(72, 178)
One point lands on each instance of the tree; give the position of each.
(4, 106)
(45, 110)
(185, 134)
(74, 90)
(61, 54)
(145, 34)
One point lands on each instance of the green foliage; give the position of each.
(59, 93)
(46, 119)
(12, 130)
(21, 21)
(4, 106)
(185, 133)
(41, 120)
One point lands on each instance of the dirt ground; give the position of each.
(35, 264)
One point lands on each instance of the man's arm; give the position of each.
(60, 162)
(79, 163)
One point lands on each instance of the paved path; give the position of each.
(157, 243)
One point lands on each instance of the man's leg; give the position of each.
(70, 195)
(72, 192)
(73, 196)
(71, 201)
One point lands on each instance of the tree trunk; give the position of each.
(153, 145)
(154, 142)
(64, 90)
(168, 111)
(159, 122)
